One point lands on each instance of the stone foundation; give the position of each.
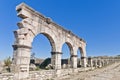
(42, 75)
(7, 76)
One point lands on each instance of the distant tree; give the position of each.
(7, 63)
(45, 63)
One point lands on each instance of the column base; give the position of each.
(58, 73)
(75, 70)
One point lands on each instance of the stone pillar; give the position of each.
(21, 60)
(95, 63)
(105, 62)
(74, 61)
(99, 63)
(83, 57)
(1, 67)
(102, 63)
(56, 60)
(83, 62)
(90, 62)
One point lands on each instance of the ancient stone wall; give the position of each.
(7, 76)
(50, 74)
(33, 24)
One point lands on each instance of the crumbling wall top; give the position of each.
(24, 11)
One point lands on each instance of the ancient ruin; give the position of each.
(34, 23)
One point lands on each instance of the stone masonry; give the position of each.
(51, 74)
(33, 24)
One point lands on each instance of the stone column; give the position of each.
(99, 63)
(95, 63)
(107, 61)
(74, 61)
(83, 57)
(21, 60)
(56, 60)
(1, 67)
(90, 62)
(102, 63)
(83, 62)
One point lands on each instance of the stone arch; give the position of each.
(22, 49)
(81, 51)
(83, 56)
(51, 40)
(51, 44)
(32, 24)
(70, 46)
(67, 61)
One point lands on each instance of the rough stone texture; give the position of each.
(90, 62)
(42, 75)
(1, 66)
(53, 74)
(32, 24)
(7, 76)
(111, 72)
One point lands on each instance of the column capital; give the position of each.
(56, 53)
(21, 46)
(73, 55)
(83, 57)
(89, 58)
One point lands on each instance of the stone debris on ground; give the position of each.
(111, 72)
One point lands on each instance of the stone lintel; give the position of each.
(56, 53)
(21, 46)
(83, 57)
(73, 55)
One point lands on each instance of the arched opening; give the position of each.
(79, 57)
(42, 46)
(67, 50)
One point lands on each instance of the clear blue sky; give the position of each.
(97, 21)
